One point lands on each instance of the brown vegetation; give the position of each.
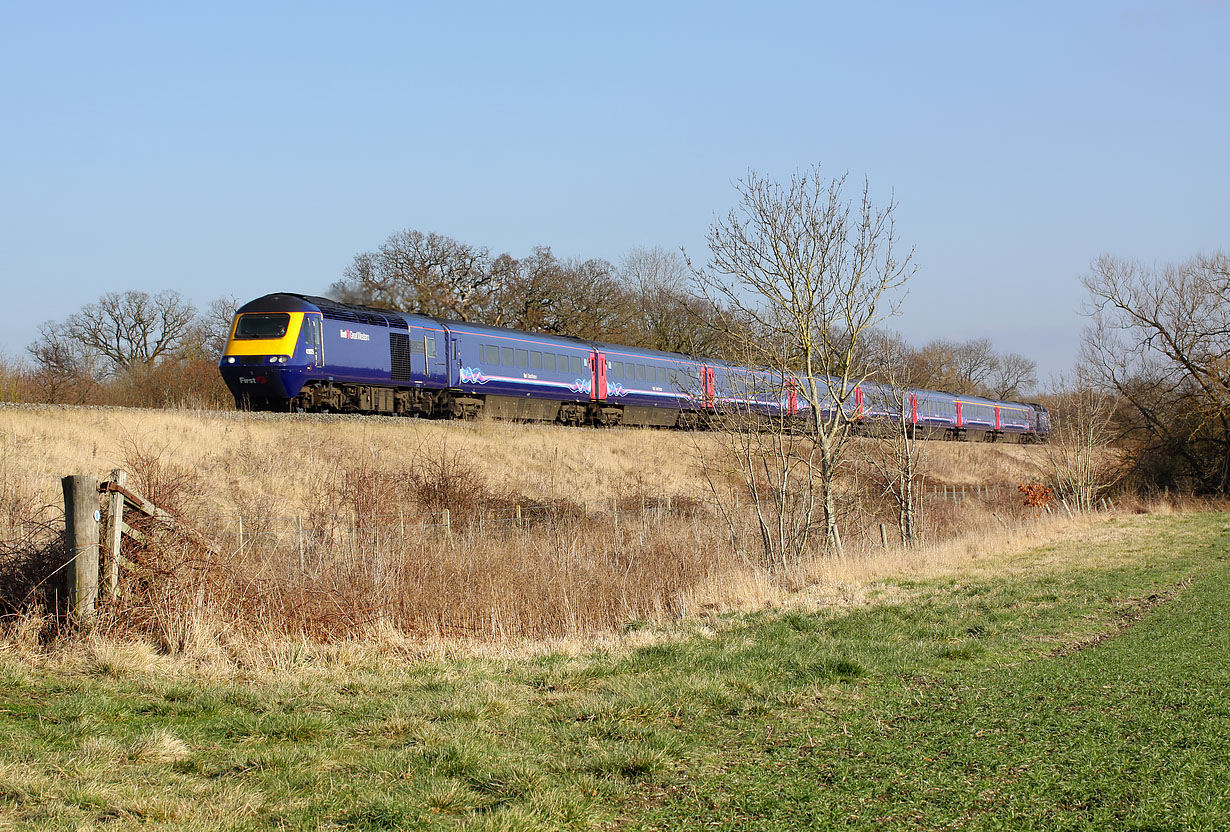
(330, 527)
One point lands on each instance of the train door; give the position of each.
(597, 390)
(428, 358)
(997, 417)
(453, 365)
(316, 341)
(708, 388)
(858, 402)
(792, 396)
(958, 414)
(913, 409)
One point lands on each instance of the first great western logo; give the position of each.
(353, 335)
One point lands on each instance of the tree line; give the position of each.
(157, 349)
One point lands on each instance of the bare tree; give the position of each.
(64, 370)
(1159, 336)
(895, 453)
(127, 329)
(973, 366)
(427, 273)
(665, 315)
(809, 271)
(1083, 465)
(1014, 376)
(566, 297)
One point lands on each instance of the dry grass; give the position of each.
(339, 548)
(282, 457)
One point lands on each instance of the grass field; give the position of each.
(1077, 685)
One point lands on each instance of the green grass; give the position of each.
(1045, 697)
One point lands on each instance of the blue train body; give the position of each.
(298, 352)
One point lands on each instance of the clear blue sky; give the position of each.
(246, 148)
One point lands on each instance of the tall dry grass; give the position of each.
(326, 530)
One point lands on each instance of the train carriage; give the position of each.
(300, 352)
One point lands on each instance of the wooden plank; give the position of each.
(133, 499)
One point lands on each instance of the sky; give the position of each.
(245, 148)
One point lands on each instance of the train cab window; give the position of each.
(523, 358)
(640, 372)
(506, 356)
(617, 369)
(576, 364)
(548, 361)
(256, 327)
(431, 347)
(493, 354)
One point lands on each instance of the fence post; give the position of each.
(518, 508)
(884, 536)
(448, 523)
(239, 530)
(115, 528)
(81, 517)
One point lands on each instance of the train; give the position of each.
(301, 353)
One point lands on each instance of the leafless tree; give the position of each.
(216, 324)
(127, 329)
(565, 297)
(974, 364)
(64, 370)
(1083, 464)
(665, 315)
(1013, 377)
(1159, 336)
(895, 454)
(810, 271)
(427, 273)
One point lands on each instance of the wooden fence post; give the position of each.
(448, 523)
(884, 535)
(81, 517)
(115, 529)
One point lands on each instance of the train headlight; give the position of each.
(281, 359)
(273, 359)
(230, 360)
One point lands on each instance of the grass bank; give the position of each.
(1073, 685)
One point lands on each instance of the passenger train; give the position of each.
(291, 352)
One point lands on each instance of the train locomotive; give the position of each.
(292, 352)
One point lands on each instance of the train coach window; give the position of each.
(251, 327)
(506, 356)
(661, 371)
(640, 372)
(493, 354)
(523, 358)
(576, 364)
(548, 361)
(535, 360)
(617, 369)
